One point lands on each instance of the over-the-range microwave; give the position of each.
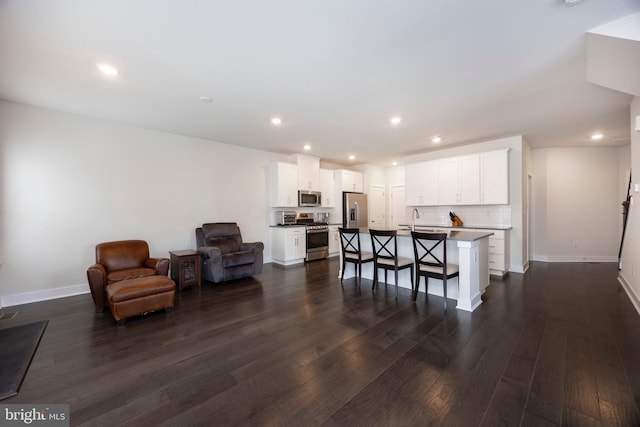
(309, 198)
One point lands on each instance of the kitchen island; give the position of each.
(468, 249)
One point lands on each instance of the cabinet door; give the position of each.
(283, 185)
(300, 249)
(358, 182)
(459, 180)
(413, 184)
(421, 184)
(308, 173)
(469, 187)
(327, 188)
(448, 181)
(494, 176)
(348, 180)
(295, 244)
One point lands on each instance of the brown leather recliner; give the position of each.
(128, 281)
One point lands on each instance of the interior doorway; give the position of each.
(376, 206)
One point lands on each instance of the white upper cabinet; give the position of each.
(421, 184)
(459, 180)
(283, 184)
(348, 180)
(494, 177)
(308, 172)
(448, 181)
(327, 188)
(475, 179)
(469, 188)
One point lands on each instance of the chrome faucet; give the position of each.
(414, 215)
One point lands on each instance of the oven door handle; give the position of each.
(317, 231)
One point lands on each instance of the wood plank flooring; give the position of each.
(559, 345)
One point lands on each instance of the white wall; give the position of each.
(69, 182)
(576, 204)
(630, 272)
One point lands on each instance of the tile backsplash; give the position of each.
(470, 215)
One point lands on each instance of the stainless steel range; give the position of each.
(317, 236)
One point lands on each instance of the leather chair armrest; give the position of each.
(97, 278)
(161, 265)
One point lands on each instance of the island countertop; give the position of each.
(421, 227)
(452, 235)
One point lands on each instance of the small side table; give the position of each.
(185, 268)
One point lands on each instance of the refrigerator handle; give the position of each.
(357, 218)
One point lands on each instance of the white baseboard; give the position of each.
(635, 300)
(43, 295)
(577, 258)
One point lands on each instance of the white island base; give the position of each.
(468, 249)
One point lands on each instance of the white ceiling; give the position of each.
(334, 70)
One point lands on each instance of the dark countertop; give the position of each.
(462, 236)
(477, 227)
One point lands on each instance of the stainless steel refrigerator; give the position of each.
(354, 210)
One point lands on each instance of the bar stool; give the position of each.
(431, 263)
(385, 256)
(351, 252)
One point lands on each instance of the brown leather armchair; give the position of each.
(127, 280)
(225, 256)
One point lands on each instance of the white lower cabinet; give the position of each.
(498, 249)
(499, 253)
(334, 240)
(289, 245)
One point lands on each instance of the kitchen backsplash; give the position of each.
(470, 215)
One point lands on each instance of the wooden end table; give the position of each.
(185, 268)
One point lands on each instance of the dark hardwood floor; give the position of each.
(559, 345)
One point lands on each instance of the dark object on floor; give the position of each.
(129, 282)
(17, 347)
(225, 256)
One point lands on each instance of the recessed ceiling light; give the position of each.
(277, 121)
(436, 138)
(352, 157)
(394, 163)
(597, 136)
(107, 69)
(395, 120)
(206, 99)
(307, 147)
(572, 2)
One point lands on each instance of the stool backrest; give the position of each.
(427, 247)
(350, 241)
(384, 244)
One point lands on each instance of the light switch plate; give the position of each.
(637, 188)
